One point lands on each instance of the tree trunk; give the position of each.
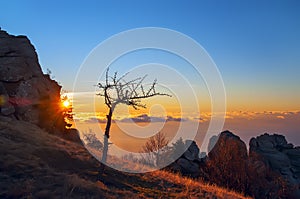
(106, 134)
(105, 149)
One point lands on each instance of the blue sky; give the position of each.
(255, 44)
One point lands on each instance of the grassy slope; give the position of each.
(36, 164)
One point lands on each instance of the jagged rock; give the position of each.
(279, 156)
(270, 148)
(26, 93)
(192, 153)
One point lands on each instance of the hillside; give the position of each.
(35, 164)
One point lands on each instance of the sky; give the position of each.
(254, 44)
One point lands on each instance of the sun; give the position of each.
(66, 103)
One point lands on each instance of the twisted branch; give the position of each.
(119, 91)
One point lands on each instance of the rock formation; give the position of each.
(227, 141)
(226, 163)
(270, 171)
(189, 162)
(274, 152)
(25, 92)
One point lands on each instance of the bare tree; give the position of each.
(155, 148)
(116, 90)
(91, 140)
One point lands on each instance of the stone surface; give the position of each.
(294, 156)
(8, 109)
(280, 156)
(25, 92)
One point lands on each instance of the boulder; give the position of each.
(228, 144)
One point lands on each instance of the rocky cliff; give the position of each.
(25, 92)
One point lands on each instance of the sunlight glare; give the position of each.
(66, 103)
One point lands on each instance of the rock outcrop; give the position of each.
(226, 162)
(25, 92)
(189, 162)
(230, 144)
(274, 152)
(270, 171)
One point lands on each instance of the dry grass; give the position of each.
(190, 188)
(35, 164)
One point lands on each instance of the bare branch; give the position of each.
(106, 76)
(119, 91)
(142, 88)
